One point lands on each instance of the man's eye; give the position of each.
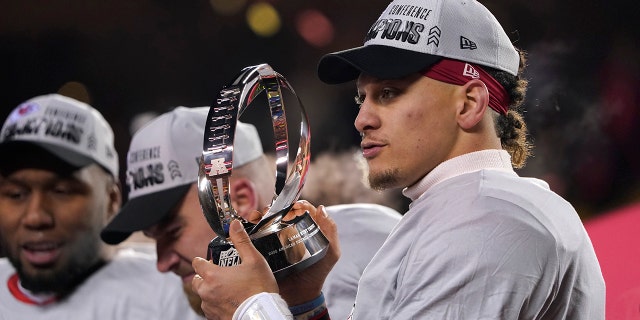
(63, 190)
(174, 231)
(387, 93)
(12, 194)
(359, 99)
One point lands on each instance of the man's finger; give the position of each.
(254, 216)
(321, 217)
(328, 227)
(242, 242)
(201, 266)
(196, 282)
(298, 209)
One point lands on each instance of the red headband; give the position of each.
(459, 73)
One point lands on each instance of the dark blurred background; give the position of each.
(135, 58)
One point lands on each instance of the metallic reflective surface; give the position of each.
(287, 246)
(216, 165)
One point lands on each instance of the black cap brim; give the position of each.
(382, 62)
(28, 153)
(143, 212)
(18, 155)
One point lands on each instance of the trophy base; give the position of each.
(287, 246)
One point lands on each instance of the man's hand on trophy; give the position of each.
(299, 208)
(223, 289)
(306, 285)
(253, 216)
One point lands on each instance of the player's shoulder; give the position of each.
(6, 268)
(132, 261)
(364, 217)
(136, 269)
(355, 209)
(4, 262)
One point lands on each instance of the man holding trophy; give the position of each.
(172, 163)
(165, 204)
(439, 84)
(280, 240)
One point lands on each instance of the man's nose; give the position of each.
(38, 215)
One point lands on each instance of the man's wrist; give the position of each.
(315, 309)
(263, 306)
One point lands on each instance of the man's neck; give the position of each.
(59, 293)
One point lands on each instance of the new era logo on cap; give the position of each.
(72, 130)
(470, 71)
(467, 44)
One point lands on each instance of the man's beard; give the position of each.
(383, 180)
(84, 260)
(194, 299)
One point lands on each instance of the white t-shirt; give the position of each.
(480, 242)
(362, 229)
(127, 288)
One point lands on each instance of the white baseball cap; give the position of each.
(411, 35)
(69, 129)
(162, 164)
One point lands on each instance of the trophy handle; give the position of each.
(216, 163)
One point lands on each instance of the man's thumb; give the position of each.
(241, 241)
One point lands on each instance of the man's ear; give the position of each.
(115, 199)
(475, 104)
(244, 197)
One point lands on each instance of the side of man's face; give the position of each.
(408, 126)
(184, 235)
(50, 224)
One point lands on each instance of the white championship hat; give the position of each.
(68, 129)
(162, 164)
(411, 35)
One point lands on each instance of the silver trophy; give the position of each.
(286, 245)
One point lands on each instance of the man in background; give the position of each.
(58, 188)
(164, 202)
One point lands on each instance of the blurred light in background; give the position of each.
(585, 121)
(263, 19)
(139, 120)
(75, 90)
(227, 7)
(314, 27)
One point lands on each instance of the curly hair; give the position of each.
(511, 127)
